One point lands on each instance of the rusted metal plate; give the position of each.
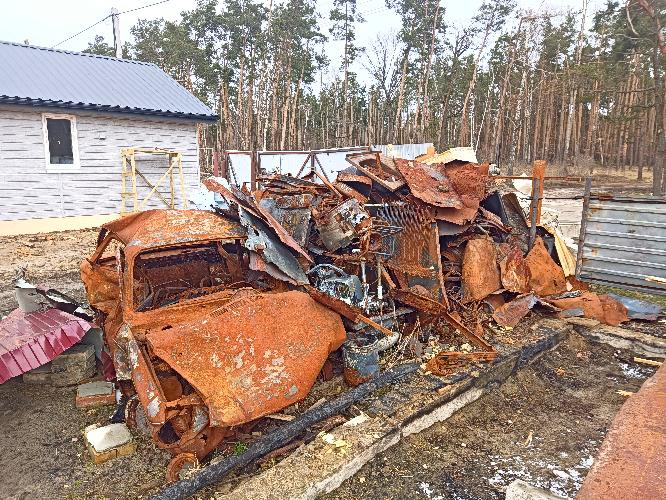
(414, 251)
(546, 277)
(510, 314)
(429, 183)
(632, 457)
(600, 307)
(381, 169)
(515, 274)
(30, 340)
(243, 362)
(480, 272)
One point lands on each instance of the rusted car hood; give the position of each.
(253, 356)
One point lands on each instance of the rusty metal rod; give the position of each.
(534, 210)
(583, 226)
(215, 473)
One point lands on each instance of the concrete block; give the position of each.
(76, 364)
(93, 394)
(520, 490)
(77, 355)
(108, 442)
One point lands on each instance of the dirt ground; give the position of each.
(543, 426)
(565, 402)
(52, 259)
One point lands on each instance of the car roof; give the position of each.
(162, 228)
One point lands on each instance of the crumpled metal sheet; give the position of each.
(515, 274)
(638, 309)
(546, 277)
(600, 307)
(480, 271)
(261, 240)
(339, 226)
(245, 362)
(244, 200)
(510, 314)
(429, 183)
(385, 173)
(30, 340)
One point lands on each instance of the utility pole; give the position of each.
(117, 44)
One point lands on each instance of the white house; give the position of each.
(64, 118)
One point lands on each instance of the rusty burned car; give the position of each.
(198, 339)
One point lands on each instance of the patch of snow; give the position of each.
(631, 371)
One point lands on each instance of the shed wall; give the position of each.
(28, 191)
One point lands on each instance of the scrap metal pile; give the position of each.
(213, 319)
(408, 251)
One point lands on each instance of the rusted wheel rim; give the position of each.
(179, 465)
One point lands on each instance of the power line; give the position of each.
(143, 7)
(82, 31)
(105, 18)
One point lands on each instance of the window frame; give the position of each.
(61, 167)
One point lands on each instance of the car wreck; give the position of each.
(200, 341)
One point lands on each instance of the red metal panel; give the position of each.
(30, 340)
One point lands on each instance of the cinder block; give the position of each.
(92, 394)
(108, 442)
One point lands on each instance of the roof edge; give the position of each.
(75, 53)
(26, 102)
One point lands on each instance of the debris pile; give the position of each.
(409, 251)
(215, 318)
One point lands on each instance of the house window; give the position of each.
(60, 142)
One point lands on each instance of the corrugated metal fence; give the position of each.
(624, 243)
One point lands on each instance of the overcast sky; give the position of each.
(47, 22)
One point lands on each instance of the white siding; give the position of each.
(28, 191)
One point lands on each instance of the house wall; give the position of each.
(29, 191)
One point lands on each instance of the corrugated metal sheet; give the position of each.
(405, 151)
(625, 243)
(56, 78)
(30, 340)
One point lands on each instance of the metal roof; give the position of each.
(38, 76)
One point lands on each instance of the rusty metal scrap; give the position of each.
(272, 365)
(480, 271)
(510, 314)
(379, 168)
(515, 274)
(215, 319)
(429, 183)
(546, 277)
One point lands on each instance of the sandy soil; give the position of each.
(543, 426)
(51, 259)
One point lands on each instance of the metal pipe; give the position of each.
(534, 210)
(583, 225)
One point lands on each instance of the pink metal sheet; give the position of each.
(30, 340)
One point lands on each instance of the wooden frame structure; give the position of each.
(129, 169)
